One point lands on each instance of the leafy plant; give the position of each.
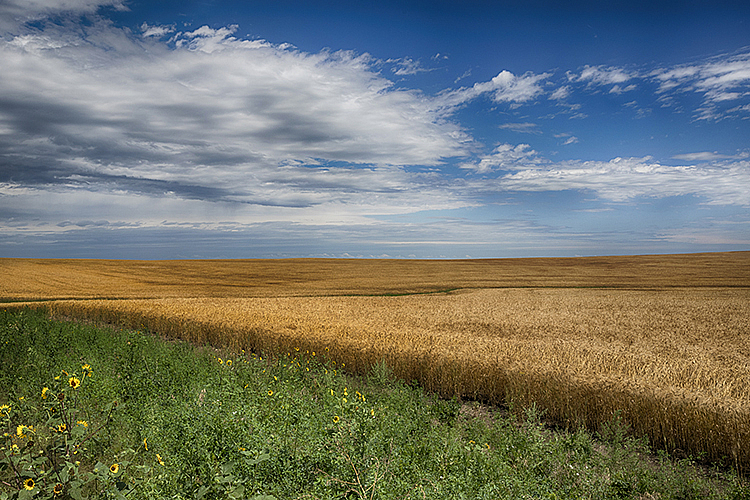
(52, 460)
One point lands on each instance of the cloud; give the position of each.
(705, 156)
(505, 157)
(503, 88)
(619, 90)
(561, 93)
(13, 13)
(720, 79)
(207, 116)
(524, 128)
(624, 179)
(156, 31)
(602, 75)
(407, 66)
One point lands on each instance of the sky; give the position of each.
(132, 129)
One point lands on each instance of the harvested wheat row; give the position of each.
(676, 363)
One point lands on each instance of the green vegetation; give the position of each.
(161, 419)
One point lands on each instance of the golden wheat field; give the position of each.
(663, 339)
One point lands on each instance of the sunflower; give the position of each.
(114, 468)
(29, 484)
(58, 489)
(336, 419)
(61, 428)
(4, 411)
(45, 390)
(74, 382)
(270, 393)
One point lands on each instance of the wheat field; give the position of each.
(665, 340)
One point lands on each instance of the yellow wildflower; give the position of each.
(270, 393)
(58, 489)
(145, 444)
(114, 468)
(4, 411)
(21, 430)
(74, 382)
(29, 484)
(45, 390)
(83, 423)
(158, 459)
(335, 419)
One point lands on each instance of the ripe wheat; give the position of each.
(675, 361)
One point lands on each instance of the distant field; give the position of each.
(52, 278)
(664, 339)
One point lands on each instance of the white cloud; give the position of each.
(510, 88)
(213, 98)
(704, 156)
(16, 12)
(560, 93)
(504, 88)
(623, 179)
(603, 75)
(619, 90)
(719, 79)
(524, 128)
(407, 66)
(210, 126)
(506, 157)
(156, 31)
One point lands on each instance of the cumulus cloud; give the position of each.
(503, 88)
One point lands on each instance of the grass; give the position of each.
(196, 422)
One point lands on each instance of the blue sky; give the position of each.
(427, 129)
